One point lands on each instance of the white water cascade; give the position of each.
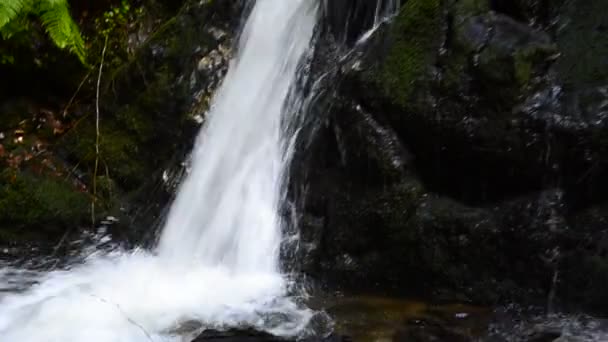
(226, 210)
(217, 259)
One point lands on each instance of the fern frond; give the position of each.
(11, 9)
(59, 25)
(19, 24)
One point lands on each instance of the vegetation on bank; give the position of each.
(50, 58)
(106, 133)
(81, 32)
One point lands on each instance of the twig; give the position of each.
(72, 170)
(65, 110)
(60, 243)
(108, 180)
(103, 55)
(551, 297)
(129, 319)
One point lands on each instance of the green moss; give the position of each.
(132, 119)
(107, 193)
(146, 103)
(416, 36)
(465, 9)
(523, 69)
(30, 200)
(117, 150)
(527, 58)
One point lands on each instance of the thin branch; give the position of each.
(56, 248)
(108, 180)
(72, 170)
(103, 55)
(65, 110)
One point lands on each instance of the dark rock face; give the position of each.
(251, 335)
(463, 157)
(237, 336)
(519, 325)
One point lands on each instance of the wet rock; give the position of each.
(372, 223)
(500, 150)
(235, 335)
(583, 267)
(536, 12)
(428, 330)
(545, 336)
(252, 335)
(347, 20)
(521, 325)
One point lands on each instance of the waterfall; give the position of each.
(226, 210)
(217, 258)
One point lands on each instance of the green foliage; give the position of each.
(11, 9)
(116, 18)
(118, 150)
(61, 28)
(54, 16)
(116, 23)
(29, 200)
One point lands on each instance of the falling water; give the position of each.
(226, 210)
(217, 259)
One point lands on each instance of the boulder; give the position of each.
(462, 157)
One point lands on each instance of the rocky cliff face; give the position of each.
(463, 156)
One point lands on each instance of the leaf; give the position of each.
(11, 9)
(59, 25)
(55, 17)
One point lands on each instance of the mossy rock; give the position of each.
(146, 116)
(117, 151)
(415, 39)
(42, 203)
(464, 9)
(513, 53)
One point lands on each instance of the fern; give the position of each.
(14, 27)
(11, 9)
(55, 18)
(60, 26)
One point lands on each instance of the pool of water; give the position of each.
(370, 318)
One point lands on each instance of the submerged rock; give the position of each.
(235, 335)
(252, 335)
(423, 331)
